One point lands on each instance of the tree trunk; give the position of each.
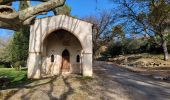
(164, 47)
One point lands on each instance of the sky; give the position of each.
(80, 8)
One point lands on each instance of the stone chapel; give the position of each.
(60, 44)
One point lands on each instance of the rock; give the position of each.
(166, 78)
(162, 78)
(158, 77)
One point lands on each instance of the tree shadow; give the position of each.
(112, 82)
(33, 88)
(49, 93)
(70, 90)
(50, 89)
(140, 85)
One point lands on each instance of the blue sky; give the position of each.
(80, 8)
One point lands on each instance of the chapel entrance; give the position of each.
(62, 50)
(65, 61)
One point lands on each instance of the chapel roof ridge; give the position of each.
(64, 15)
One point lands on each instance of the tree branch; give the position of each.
(5, 2)
(9, 26)
(46, 6)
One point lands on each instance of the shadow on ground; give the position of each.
(39, 87)
(109, 83)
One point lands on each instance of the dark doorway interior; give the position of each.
(65, 61)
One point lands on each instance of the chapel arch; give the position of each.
(56, 33)
(62, 47)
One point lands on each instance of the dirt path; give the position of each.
(139, 87)
(109, 83)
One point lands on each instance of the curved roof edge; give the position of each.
(64, 15)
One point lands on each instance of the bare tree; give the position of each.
(104, 23)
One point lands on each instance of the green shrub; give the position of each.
(19, 64)
(130, 46)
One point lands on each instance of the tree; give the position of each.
(19, 46)
(19, 21)
(66, 10)
(11, 19)
(118, 32)
(103, 22)
(159, 13)
(147, 17)
(5, 59)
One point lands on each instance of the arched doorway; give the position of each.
(64, 46)
(65, 61)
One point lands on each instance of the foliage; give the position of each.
(19, 46)
(147, 17)
(66, 10)
(17, 65)
(4, 53)
(112, 51)
(131, 46)
(118, 32)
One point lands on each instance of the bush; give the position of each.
(130, 46)
(18, 65)
(120, 48)
(5, 64)
(114, 49)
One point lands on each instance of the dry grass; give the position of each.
(147, 64)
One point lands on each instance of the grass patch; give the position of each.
(13, 77)
(85, 78)
(2, 66)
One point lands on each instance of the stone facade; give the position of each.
(50, 37)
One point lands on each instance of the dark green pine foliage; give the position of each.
(19, 47)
